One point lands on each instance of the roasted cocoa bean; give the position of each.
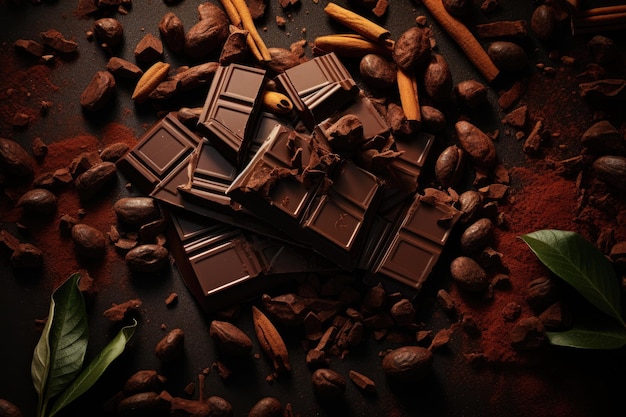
(147, 258)
(403, 312)
(468, 274)
(611, 170)
(8, 409)
(209, 34)
(137, 211)
(267, 407)
(195, 77)
(469, 204)
(171, 347)
(412, 49)
(602, 138)
(172, 31)
(603, 50)
(88, 241)
(15, 160)
(543, 22)
(229, 338)
(144, 404)
(407, 364)
(470, 93)
(91, 182)
(433, 120)
(449, 166)
(145, 380)
(114, 152)
(541, 293)
(219, 407)
(38, 202)
(438, 79)
(186, 407)
(377, 71)
(528, 333)
(477, 144)
(508, 56)
(98, 92)
(109, 32)
(328, 384)
(476, 236)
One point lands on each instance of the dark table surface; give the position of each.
(574, 382)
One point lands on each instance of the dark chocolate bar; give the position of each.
(230, 110)
(415, 242)
(222, 265)
(161, 150)
(333, 220)
(318, 88)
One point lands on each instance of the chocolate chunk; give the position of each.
(231, 109)
(98, 92)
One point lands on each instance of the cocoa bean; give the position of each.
(98, 92)
(403, 312)
(8, 409)
(172, 31)
(469, 204)
(147, 258)
(508, 56)
(144, 404)
(477, 144)
(137, 211)
(611, 170)
(438, 79)
(449, 166)
(15, 160)
(603, 138)
(114, 152)
(109, 32)
(219, 407)
(145, 380)
(91, 182)
(457, 8)
(377, 71)
(470, 93)
(328, 384)
(603, 50)
(230, 339)
(468, 274)
(412, 49)
(171, 347)
(208, 34)
(528, 333)
(88, 241)
(433, 120)
(267, 407)
(476, 236)
(543, 22)
(38, 202)
(407, 364)
(195, 77)
(281, 60)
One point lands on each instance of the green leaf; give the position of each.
(580, 264)
(60, 352)
(586, 338)
(95, 369)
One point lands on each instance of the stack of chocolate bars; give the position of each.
(254, 197)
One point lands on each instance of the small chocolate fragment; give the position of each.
(118, 312)
(98, 92)
(149, 49)
(122, 68)
(30, 47)
(55, 40)
(109, 32)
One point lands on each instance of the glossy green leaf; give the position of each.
(95, 369)
(60, 352)
(587, 338)
(578, 262)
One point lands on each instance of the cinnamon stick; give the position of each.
(409, 100)
(248, 24)
(358, 23)
(464, 38)
(348, 45)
